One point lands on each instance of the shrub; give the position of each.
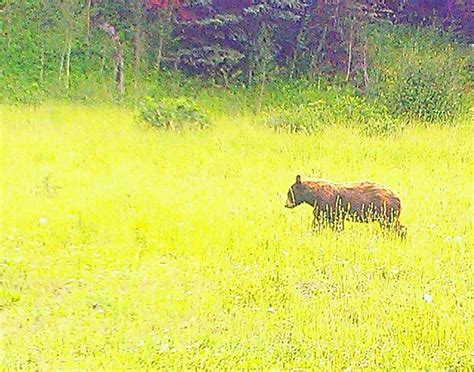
(418, 73)
(426, 92)
(346, 109)
(173, 113)
(382, 124)
(298, 119)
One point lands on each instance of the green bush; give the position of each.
(426, 92)
(345, 108)
(173, 113)
(418, 73)
(298, 119)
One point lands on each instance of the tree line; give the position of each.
(224, 40)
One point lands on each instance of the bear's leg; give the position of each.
(337, 220)
(319, 222)
(394, 226)
(399, 229)
(338, 224)
(317, 225)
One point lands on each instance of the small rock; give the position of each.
(427, 298)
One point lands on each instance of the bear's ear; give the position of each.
(298, 179)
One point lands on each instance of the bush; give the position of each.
(418, 73)
(173, 113)
(345, 108)
(426, 92)
(298, 119)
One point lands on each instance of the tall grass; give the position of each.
(123, 246)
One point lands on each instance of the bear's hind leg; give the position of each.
(394, 227)
(399, 229)
(337, 219)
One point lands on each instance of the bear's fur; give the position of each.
(334, 203)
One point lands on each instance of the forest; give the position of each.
(62, 48)
(147, 148)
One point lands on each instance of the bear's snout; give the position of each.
(289, 204)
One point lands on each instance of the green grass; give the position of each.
(122, 246)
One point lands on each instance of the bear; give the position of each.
(335, 203)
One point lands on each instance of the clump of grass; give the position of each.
(345, 108)
(299, 119)
(419, 74)
(173, 113)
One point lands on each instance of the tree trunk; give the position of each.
(160, 53)
(43, 29)
(88, 18)
(61, 65)
(68, 62)
(297, 46)
(250, 77)
(313, 65)
(118, 58)
(225, 77)
(41, 78)
(365, 67)
(349, 57)
(8, 17)
(262, 90)
(137, 48)
(318, 55)
(137, 41)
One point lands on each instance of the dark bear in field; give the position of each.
(334, 203)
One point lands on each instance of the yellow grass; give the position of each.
(123, 246)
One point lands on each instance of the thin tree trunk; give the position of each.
(61, 65)
(365, 67)
(349, 58)
(250, 77)
(68, 62)
(41, 78)
(312, 65)
(297, 46)
(138, 54)
(88, 18)
(317, 57)
(118, 58)
(225, 77)
(137, 41)
(163, 37)
(262, 89)
(43, 29)
(8, 16)
(160, 53)
(336, 14)
(120, 73)
(176, 63)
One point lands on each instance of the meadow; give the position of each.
(123, 246)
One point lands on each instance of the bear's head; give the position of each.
(296, 194)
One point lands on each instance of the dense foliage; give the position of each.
(103, 50)
(173, 113)
(419, 74)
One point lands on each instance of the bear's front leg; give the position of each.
(321, 220)
(394, 227)
(337, 224)
(316, 225)
(318, 221)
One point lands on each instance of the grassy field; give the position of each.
(123, 246)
